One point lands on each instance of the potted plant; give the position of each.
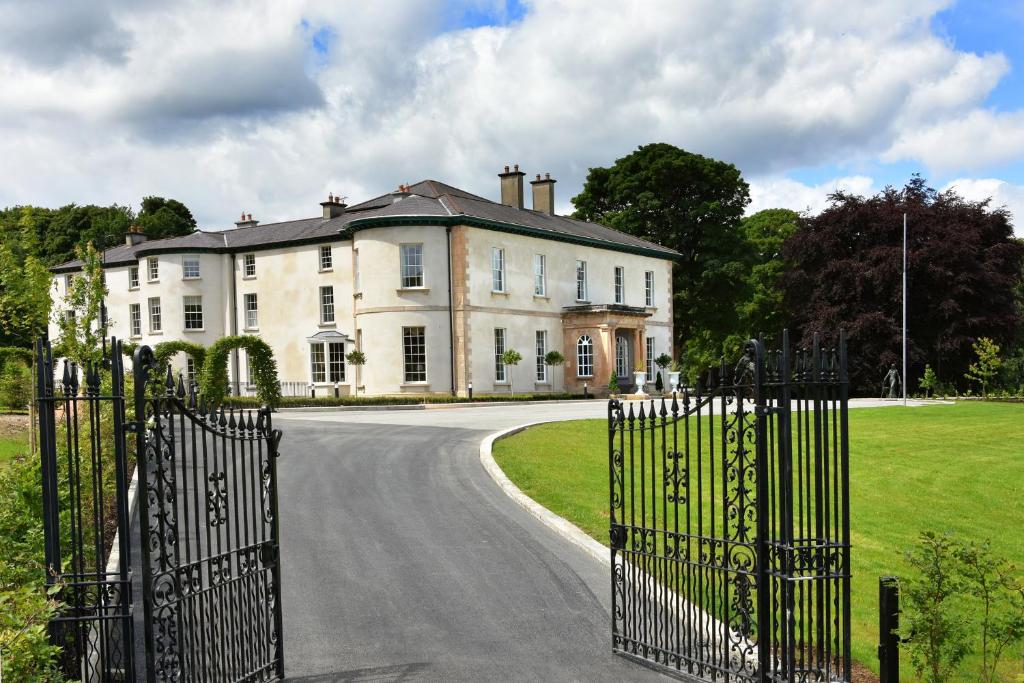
(673, 376)
(511, 357)
(662, 361)
(640, 377)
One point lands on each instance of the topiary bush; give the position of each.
(213, 381)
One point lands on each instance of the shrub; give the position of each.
(214, 378)
(929, 382)
(613, 383)
(15, 386)
(659, 384)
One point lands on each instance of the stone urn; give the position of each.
(640, 377)
(673, 381)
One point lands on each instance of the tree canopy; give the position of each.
(963, 267)
(764, 310)
(692, 204)
(160, 218)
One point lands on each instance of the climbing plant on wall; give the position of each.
(213, 381)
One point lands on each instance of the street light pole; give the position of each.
(904, 308)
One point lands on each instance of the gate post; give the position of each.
(48, 458)
(273, 442)
(888, 629)
(755, 351)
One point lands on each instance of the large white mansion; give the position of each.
(430, 282)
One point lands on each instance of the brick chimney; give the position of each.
(512, 187)
(135, 236)
(246, 221)
(544, 194)
(333, 207)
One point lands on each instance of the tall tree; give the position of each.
(161, 218)
(847, 272)
(74, 226)
(764, 311)
(24, 298)
(692, 204)
(80, 323)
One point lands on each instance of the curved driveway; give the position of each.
(403, 561)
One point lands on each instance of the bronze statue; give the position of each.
(891, 381)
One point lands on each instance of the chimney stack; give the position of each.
(544, 194)
(512, 187)
(333, 207)
(246, 221)
(135, 236)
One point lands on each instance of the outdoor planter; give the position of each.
(641, 379)
(673, 380)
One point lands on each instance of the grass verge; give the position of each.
(956, 468)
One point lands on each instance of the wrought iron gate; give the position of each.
(207, 499)
(210, 537)
(730, 521)
(84, 462)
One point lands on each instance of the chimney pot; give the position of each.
(517, 168)
(333, 207)
(506, 168)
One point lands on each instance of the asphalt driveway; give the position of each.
(404, 561)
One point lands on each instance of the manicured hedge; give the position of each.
(325, 401)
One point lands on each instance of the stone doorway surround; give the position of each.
(602, 322)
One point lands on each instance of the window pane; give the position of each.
(650, 358)
(412, 265)
(498, 270)
(540, 284)
(542, 349)
(581, 281)
(326, 258)
(318, 371)
(649, 288)
(249, 262)
(584, 357)
(251, 312)
(414, 353)
(336, 358)
(133, 277)
(153, 268)
(193, 312)
(155, 322)
(499, 350)
(327, 304)
(135, 319)
(619, 285)
(190, 267)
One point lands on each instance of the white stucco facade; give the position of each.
(429, 327)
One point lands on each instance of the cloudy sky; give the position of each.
(267, 105)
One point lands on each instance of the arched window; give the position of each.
(585, 357)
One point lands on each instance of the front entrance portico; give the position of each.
(599, 339)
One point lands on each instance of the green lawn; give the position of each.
(957, 468)
(10, 447)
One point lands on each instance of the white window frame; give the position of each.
(649, 349)
(152, 269)
(133, 277)
(411, 269)
(499, 284)
(327, 312)
(195, 301)
(541, 349)
(649, 288)
(412, 375)
(189, 265)
(581, 281)
(68, 280)
(326, 258)
(500, 344)
(621, 356)
(540, 275)
(248, 266)
(251, 307)
(335, 362)
(135, 320)
(620, 285)
(156, 321)
(190, 369)
(585, 356)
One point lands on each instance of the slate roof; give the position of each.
(428, 201)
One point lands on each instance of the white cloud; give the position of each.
(218, 105)
(786, 193)
(1002, 194)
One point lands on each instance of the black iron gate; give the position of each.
(207, 526)
(210, 537)
(730, 521)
